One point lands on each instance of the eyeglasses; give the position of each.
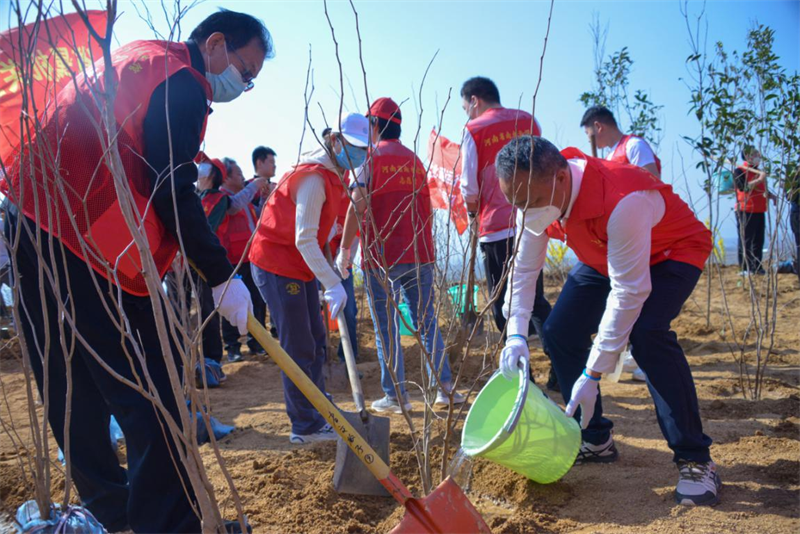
(247, 76)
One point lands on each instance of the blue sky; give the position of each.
(501, 40)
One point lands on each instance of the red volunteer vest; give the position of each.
(273, 248)
(400, 209)
(678, 236)
(621, 154)
(491, 132)
(755, 200)
(83, 210)
(234, 231)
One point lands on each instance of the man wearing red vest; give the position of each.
(599, 122)
(490, 127)
(161, 108)
(393, 204)
(232, 216)
(289, 263)
(642, 251)
(751, 210)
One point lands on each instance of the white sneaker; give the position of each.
(698, 485)
(639, 376)
(390, 404)
(443, 398)
(325, 433)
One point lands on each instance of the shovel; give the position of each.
(351, 475)
(446, 509)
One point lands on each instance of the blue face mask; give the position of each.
(227, 85)
(351, 157)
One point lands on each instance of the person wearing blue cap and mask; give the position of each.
(162, 103)
(288, 259)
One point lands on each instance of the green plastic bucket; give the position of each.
(515, 425)
(406, 313)
(456, 294)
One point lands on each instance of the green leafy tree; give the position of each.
(636, 112)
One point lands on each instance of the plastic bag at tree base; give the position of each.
(219, 430)
(75, 520)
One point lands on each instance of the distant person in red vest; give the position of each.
(289, 262)
(751, 210)
(160, 126)
(642, 251)
(393, 202)
(599, 122)
(232, 216)
(490, 127)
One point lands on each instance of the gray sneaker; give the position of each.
(390, 404)
(698, 484)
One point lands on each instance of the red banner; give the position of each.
(443, 179)
(56, 48)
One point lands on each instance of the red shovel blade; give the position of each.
(445, 510)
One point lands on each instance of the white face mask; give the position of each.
(537, 220)
(227, 85)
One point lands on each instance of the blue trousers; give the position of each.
(294, 306)
(418, 294)
(350, 315)
(576, 317)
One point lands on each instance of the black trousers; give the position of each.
(230, 334)
(495, 257)
(751, 239)
(212, 342)
(149, 496)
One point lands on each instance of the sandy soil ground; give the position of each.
(287, 488)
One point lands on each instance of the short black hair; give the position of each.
(262, 152)
(387, 129)
(530, 154)
(326, 132)
(239, 29)
(598, 114)
(481, 87)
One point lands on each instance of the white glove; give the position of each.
(515, 351)
(233, 303)
(336, 299)
(584, 394)
(343, 262)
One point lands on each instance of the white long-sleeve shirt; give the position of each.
(629, 239)
(309, 201)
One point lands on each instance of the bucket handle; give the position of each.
(519, 404)
(522, 394)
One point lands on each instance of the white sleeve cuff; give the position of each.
(518, 325)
